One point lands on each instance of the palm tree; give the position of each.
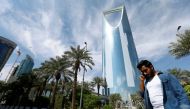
(176, 72)
(53, 69)
(48, 88)
(181, 75)
(57, 77)
(65, 80)
(105, 86)
(181, 48)
(89, 86)
(44, 74)
(79, 57)
(18, 91)
(98, 81)
(113, 98)
(59, 66)
(137, 100)
(67, 73)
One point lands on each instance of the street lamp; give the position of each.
(18, 54)
(82, 81)
(178, 28)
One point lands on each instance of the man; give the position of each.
(161, 90)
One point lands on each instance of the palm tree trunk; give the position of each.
(74, 89)
(38, 91)
(98, 87)
(50, 93)
(45, 92)
(106, 92)
(53, 96)
(63, 101)
(43, 87)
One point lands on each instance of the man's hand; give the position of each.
(142, 78)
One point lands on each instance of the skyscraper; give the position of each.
(6, 48)
(119, 55)
(25, 66)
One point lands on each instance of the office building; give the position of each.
(119, 55)
(6, 48)
(25, 66)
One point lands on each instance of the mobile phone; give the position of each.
(144, 75)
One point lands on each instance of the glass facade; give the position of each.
(25, 66)
(119, 56)
(6, 49)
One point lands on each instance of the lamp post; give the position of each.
(82, 81)
(18, 54)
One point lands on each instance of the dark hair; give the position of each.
(146, 63)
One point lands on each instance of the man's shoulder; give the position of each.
(164, 76)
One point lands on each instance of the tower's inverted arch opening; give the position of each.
(114, 16)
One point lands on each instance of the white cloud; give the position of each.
(154, 26)
(41, 31)
(5, 6)
(90, 31)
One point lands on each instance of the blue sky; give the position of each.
(46, 28)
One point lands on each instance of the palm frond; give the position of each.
(181, 48)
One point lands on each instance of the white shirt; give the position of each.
(155, 92)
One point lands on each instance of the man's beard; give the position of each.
(150, 76)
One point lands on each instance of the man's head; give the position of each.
(146, 68)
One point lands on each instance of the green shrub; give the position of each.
(107, 107)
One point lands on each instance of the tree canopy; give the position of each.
(181, 48)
